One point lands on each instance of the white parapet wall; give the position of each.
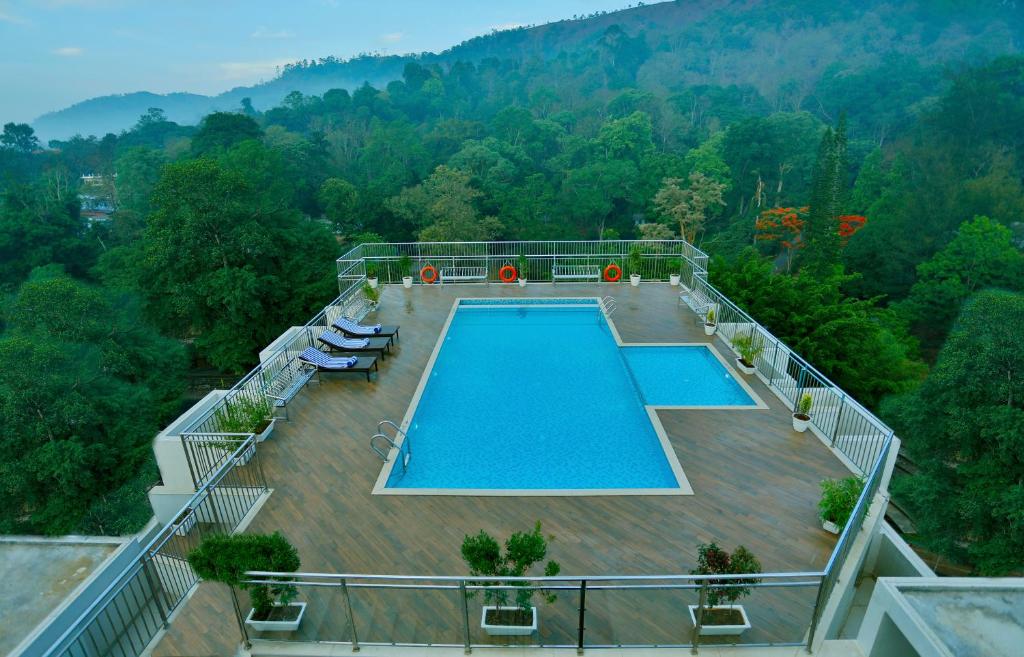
(277, 345)
(177, 485)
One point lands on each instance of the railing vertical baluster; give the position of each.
(240, 618)
(464, 597)
(351, 615)
(701, 601)
(583, 611)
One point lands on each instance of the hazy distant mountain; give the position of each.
(773, 45)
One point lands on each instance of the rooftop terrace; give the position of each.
(387, 568)
(755, 483)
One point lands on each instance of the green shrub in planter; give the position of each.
(405, 265)
(524, 266)
(635, 261)
(372, 294)
(748, 349)
(484, 557)
(243, 414)
(713, 560)
(838, 498)
(225, 559)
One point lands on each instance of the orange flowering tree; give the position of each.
(848, 225)
(783, 227)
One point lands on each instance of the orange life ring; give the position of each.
(612, 273)
(428, 274)
(507, 274)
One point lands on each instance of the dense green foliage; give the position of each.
(856, 172)
(225, 559)
(86, 385)
(964, 428)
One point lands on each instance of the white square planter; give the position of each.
(263, 435)
(507, 630)
(634, 279)
(407, 282)
(277, 626)
(721, 630)
(673, 279)
(743, 368)
(831, 527)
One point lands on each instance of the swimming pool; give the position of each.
(538, 397)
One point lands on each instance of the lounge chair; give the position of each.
(356, 330)
(327, 363)
(335, 342)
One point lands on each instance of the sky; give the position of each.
(54, 53)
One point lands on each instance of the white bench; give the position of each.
(287, 383)
(463, 274)
(575, 273)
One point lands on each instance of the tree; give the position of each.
(443, 205)
(87, 386)
(138, 170)
(981, 255)
(844, 338)
(689, 207)
(339, 200)
(964, 429)
(222, 130)
(19, 137)
(828, 199)
(226, 261)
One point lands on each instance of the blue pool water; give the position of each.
(683, 376)
(541, 397)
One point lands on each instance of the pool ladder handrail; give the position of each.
(391, 441)
(608, 305)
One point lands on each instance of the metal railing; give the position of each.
(128, 614)
(658, 258)
(205, 441)
(585, 613)
(123, 620)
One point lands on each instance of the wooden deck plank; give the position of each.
(755, 483)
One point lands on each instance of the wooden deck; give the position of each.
(755, 483)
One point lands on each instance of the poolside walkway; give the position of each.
(755, 483)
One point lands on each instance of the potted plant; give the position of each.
(371, 275)
(245, 414)
(484, 557)
(634, 266)
(802, 413)
(716, 618)
(748, 349)
(838, 498)
(372, 295)
(673, 265)
(226, 559)
(405, 266)
(710, 326)
(524, 267)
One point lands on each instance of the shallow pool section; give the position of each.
(533, 398)
(690, 376)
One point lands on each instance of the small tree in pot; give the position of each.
(838, 499)
(802, 412)
(749, 349)
(710, 323)
(524, 268)
(225, 559)
(484, 557)
(372, 295)
(635, 262)
(716, 618)
(371, 275)
(673, 265)
(405, 267)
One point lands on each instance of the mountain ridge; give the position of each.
(705, 42)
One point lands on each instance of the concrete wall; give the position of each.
(177, 486)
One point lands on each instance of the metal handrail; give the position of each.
(383, 455)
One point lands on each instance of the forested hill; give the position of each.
(783, 49)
